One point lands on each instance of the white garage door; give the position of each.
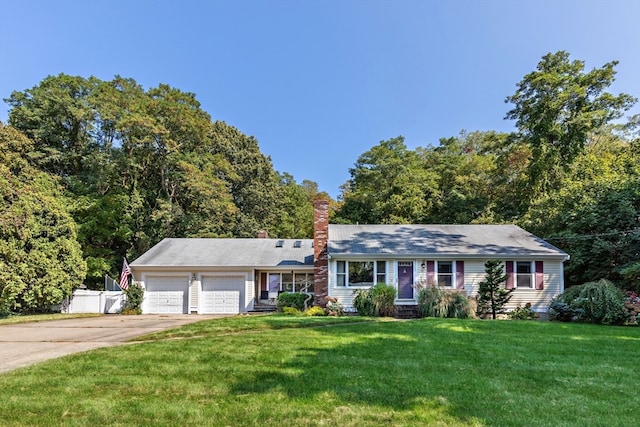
(222, 294)
(166, 294)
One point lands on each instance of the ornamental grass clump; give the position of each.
(379, 301)
(436, 302)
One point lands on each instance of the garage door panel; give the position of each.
(222, 294)
(166, 294)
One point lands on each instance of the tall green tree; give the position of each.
(556, 107)
(40, 259)
(254, 184)
(388, 185)
(140, 165)
(595, 214)
(492, 295)
(465, 167)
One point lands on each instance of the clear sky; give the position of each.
(320, 82)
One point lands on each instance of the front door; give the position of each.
(405, 280)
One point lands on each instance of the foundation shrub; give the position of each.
(436, 302)
(315, 311)
(291, 299)
(379, 300)
(523, 313)
(598, 302)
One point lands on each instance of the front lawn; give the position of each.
(281, 373)
(28, 318)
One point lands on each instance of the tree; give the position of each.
(556, 107)
(40, 259)
(465, 169)
(140, 165)
(492, 295)
(388, 185)
(595, 214)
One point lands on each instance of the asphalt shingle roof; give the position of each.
(460, 240)
(352, 240)
(227, 253)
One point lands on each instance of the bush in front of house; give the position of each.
(562, 311)
(315, 311)
(632, 306)
(523, 313)
(134, 294)
(602, 302)
(291, 311)
(334, 308)
(378, 300)
(598, 302)
(291, 299)
(436, 302)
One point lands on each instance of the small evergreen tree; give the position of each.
(492, 295)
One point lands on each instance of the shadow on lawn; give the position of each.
(394, 369)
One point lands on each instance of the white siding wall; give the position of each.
(473, 274)
(539, 299)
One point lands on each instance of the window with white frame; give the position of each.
(381, 272)
(360, 273)
(291, 282)
(524, 274)
(445, 273)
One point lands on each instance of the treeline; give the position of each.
(567, 173)
(94, 170)
(125, 167)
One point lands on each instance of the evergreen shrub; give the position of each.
(291, 299)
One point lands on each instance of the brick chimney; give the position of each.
(262, 234)
(320, 252)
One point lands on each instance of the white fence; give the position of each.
(88, 301)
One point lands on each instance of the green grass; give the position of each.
(292, 371)
(25, 318)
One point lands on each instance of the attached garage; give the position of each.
(166, 294)
(223, 294)
(213, 276)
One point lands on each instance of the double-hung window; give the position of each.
(524, 274)
(360, 273)
(445, 273)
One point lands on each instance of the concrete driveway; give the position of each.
(24, 344)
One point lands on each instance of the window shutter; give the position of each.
(431, 270)
(460, 275)
(539, 275)
(509, 271)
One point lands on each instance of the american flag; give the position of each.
(124, 276)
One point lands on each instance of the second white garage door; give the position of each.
(222, 294)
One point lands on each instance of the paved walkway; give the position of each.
(24, 344)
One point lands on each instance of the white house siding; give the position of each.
(473, 274)
(539, 299)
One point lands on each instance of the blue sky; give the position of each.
(320, 82)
